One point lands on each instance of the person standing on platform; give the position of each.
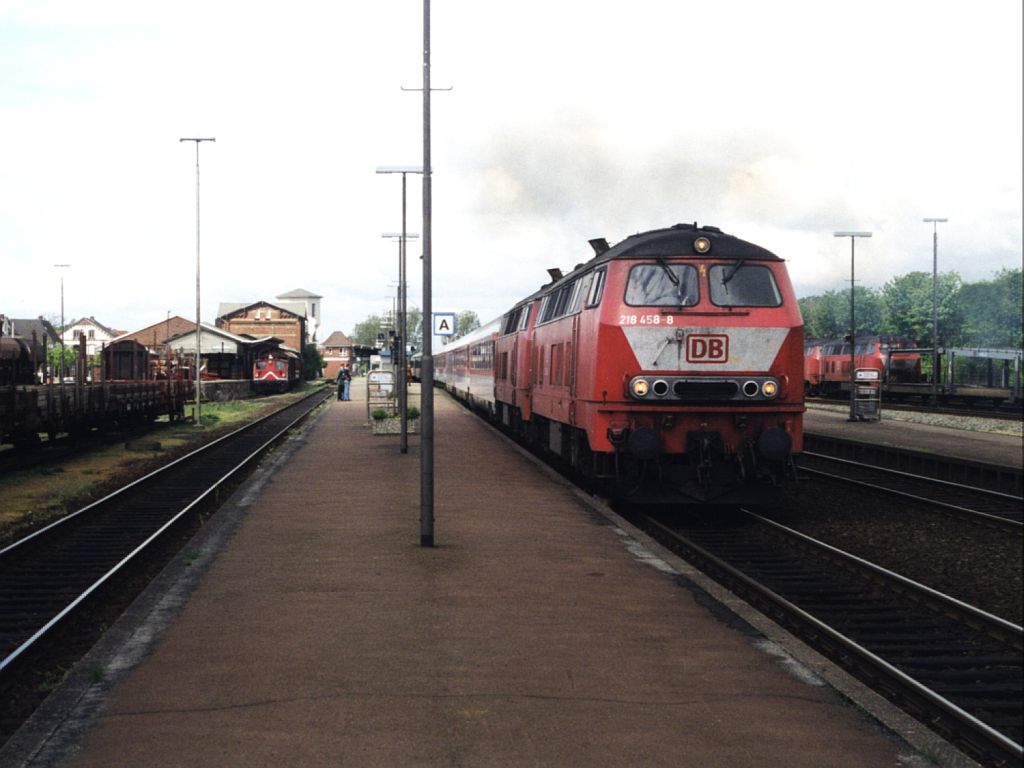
(344, 383)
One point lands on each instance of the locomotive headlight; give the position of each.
(770, 388)
(640, 387)
(702, 245)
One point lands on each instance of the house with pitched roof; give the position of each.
(337, 350)
(94, 332)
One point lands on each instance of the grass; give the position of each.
(36, 496)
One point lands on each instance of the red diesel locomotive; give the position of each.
(276, 370)
(669, 367)
(827, 362)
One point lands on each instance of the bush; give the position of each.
(378, 413)
(412, 412)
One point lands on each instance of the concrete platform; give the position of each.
(899, 430)
(307, 627)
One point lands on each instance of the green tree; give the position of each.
(828, 316)
(466, 321)
(53, 355)
(312, 363)
(366, 332)
(907, 301)
(414, 327)
(992, 311)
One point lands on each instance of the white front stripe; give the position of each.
(664, 348)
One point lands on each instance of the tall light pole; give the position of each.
(935, 305)
(853, 323)
(62, 267)
(199, 330)
(427, 375)
(403, 324)
(404, 170)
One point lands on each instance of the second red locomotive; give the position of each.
(669, 366)
(827, 362)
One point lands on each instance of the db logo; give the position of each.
(707, 348)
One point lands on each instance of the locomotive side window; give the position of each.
(735, 285)
(596, 288)
(582, 290)
(524, 317)
(662, 285)
(560, 303)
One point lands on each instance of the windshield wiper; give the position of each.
(668, 271)
(732, 272)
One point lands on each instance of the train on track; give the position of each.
(974, 377)
(125, 397)
(276, 370)
(827, 361)
(667, 368)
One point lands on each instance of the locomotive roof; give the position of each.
(672, 242)
(678, 241)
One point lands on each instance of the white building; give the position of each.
(96, 335)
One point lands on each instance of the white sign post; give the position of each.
(444, 323)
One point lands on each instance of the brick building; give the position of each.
(338, 350)
(263, 318)
(154, 337)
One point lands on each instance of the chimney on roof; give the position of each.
(556, 274)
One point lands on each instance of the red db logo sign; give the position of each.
(707, 348)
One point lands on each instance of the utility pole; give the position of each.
(853, 324)
(61, 267)
(427, 385)
(199, 330)
(935, 305)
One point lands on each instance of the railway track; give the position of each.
(50, 578)
(982, 505)
(954, 667)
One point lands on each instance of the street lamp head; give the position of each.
(851, 234)
(399, 235)
(399, 169)
(935, 221)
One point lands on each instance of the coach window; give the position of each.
(596, 288)
(662, 285)
(738, 285)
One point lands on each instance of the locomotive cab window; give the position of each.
(662, 285)
(739, 285)
(596, 288)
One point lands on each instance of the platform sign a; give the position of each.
(444, 323)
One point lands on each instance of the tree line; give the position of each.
(982, 314)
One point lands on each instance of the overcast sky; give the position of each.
(779, 122)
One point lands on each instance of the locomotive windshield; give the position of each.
(662, 285)
(741, 285)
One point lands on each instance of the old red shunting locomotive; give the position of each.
(669, 367)
(275, 370)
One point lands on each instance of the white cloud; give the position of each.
(778, 122)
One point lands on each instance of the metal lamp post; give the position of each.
(62, 267)
(853, 323)
(403, 331)
(935, 305)
(199, 331)
(404, 170)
